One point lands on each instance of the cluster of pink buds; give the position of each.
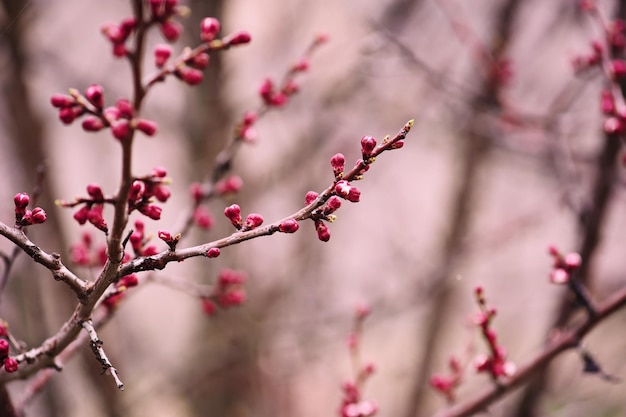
(245, 130)
(228, 185)
(140, 242)
(145, 189)
(163, 12)
(25, 217)
(446, 384)
(594, 58)
(85, 254)
(352, 403)
(564, 265)
(252, 221)
(92, 209)
(10, 364)
(118, 34)
(119, 291)
(119, 118)
(228, 292)
(347, 191)
(494, 363)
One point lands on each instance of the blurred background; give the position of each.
(501, 163)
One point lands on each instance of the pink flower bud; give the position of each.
(229, 185)
(573, 260)
(119, 50)
(147, 126)
(94, 215)
(62, 101)
(334, 202)
(159, 172)
(191, 76)
(239, 38)
(152, 211)
(203, 218)
(125, 108)
(397, 145)
(121, 130)
(114, 33)
(81, 215)
(95, 192)
(288, 226)
(613, 126)
(233, 213)
(200, 61)
(618, 68)
(92, 124)
(250, 117)
(136, 191)
(4, 348)
(196, 192)
(368, 143)
(231, 298)
(162, 53)
(171, 30)
(253, 220)
(95, 94)
(162, 193)
(607, 103)
(213, 253)
(310, 197)
(278, 99)
(559, 276)
(266, 90)
(290, 88)
(165, 236)
(208, 306)
(38, 215)
(338, 162)
(301, 65)
(323, 233)
(21, 201)
(10, 365)
(129, 281)
(209, 28)
(67, 115)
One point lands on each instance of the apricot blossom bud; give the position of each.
(310, 197)
(203, 218)
(162, 53)
(233, 213)
(338, 162)
(209, 28)
(10, 365)
(368, 143)
(239, 38)
(21, 201)
(121, 130)
(92, 124)
(213, 253)
(147, 126)
(38, 215)
(253, 220)
(95, 94)
(171, 30)
(323, 233)
(559, 276)
(191, 76)
(152, 211)
(62, 101)
(288, 226)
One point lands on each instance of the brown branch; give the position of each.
(51, 261)
(563, 341)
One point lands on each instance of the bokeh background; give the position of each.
(490, 176)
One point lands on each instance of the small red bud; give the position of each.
(121, 130)
(95, 192)
(209, 28)
(125, 108)
(253, 220)
(119, 50)
(162, 193)
(162, 53)
(152, 211)
(338, 162)
(288, 226)
(203, 218)
(310, 197)
(62, 101)
(92, 124)
(213, 253)
(165, 236)
(239, 38)
(81, 215)
(95, 94)
(208, 306)
(191, 76)
(229, 185)
(200, 61)
(301, 65)
(323, 233)
(368, 143)
(147, 126)
(38, 215)
(4, 348)
(10, 365)
(171, 30)
(618, 68)
(21, 201)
